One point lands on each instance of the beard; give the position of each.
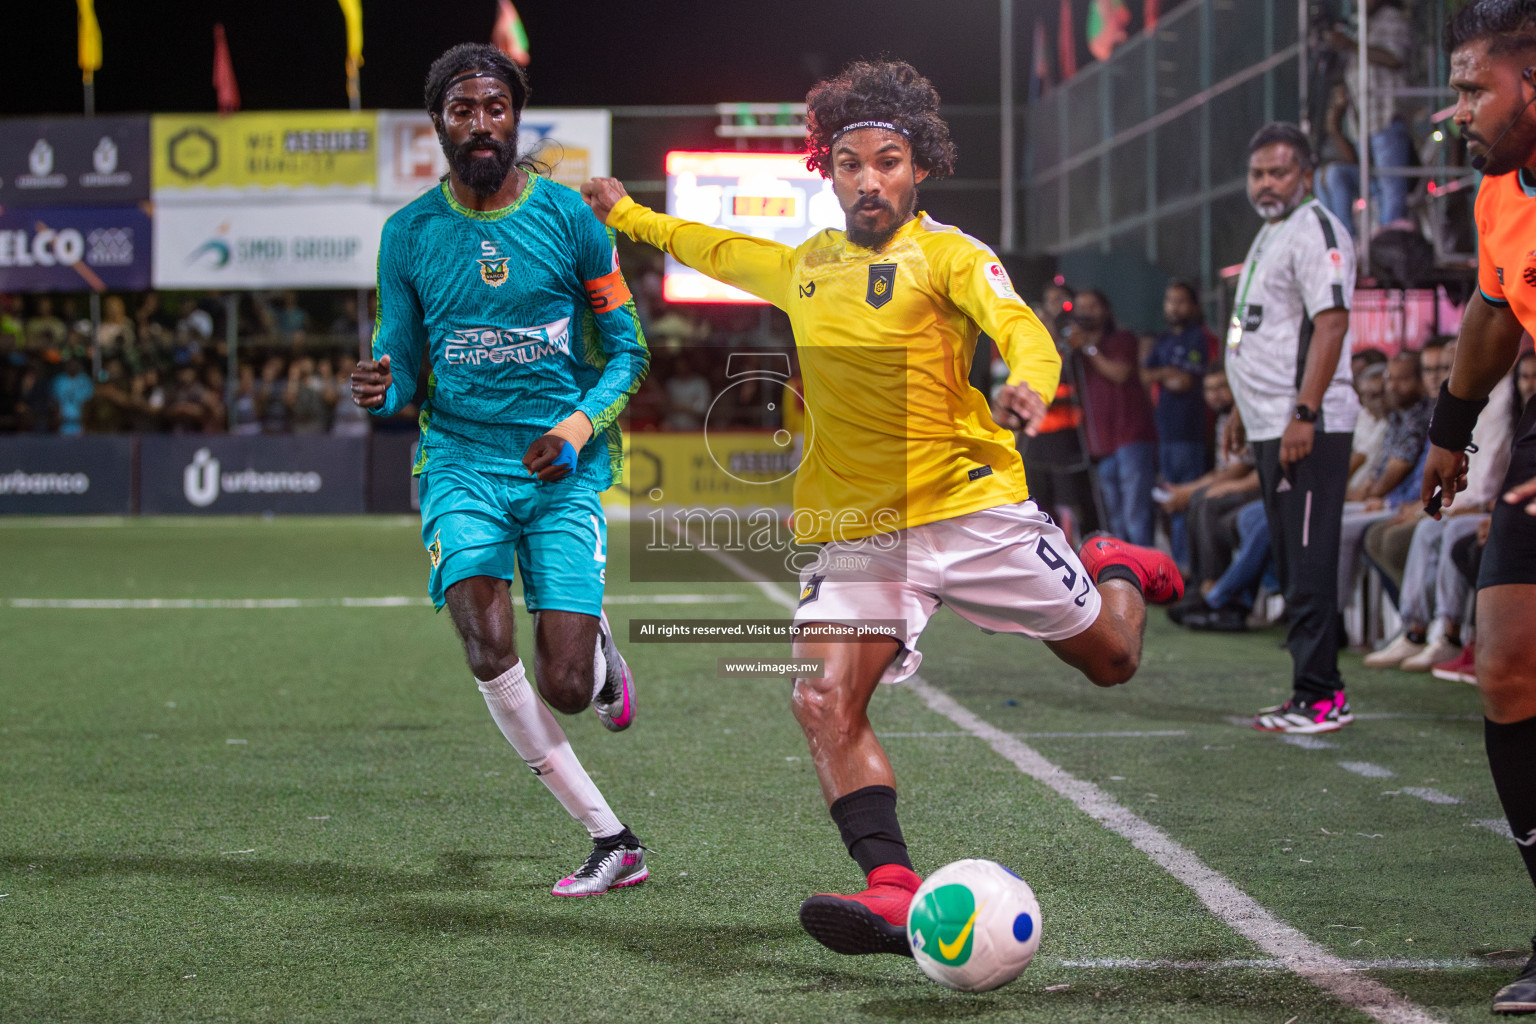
(875, 238)
(1275, 209)
(1509, 153)
(482, 175)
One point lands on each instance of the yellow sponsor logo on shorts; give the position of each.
(435, 549)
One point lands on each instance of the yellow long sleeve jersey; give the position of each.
(895, 435)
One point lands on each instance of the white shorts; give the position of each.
(1007, 569)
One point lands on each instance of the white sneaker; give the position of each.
(1432, 654)
(1394, 654)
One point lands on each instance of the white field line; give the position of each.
(1465, 963)
(1239, 911)
(1365, 768)
(180, 603)
(204, 522)
(1042, 735)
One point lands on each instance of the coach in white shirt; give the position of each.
(1288, 364)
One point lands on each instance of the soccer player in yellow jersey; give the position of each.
(906, 473)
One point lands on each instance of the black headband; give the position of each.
(503, 79)
(887, 125)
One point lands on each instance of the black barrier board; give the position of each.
(391, 487)
(65, 475)
(74, 161)
(231, 475)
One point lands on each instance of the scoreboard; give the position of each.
(769, 195)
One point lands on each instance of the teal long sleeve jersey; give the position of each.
(525, 320)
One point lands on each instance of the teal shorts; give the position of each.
(485, 524)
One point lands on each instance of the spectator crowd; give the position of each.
(1132, 445)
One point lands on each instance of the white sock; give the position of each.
(541, 743)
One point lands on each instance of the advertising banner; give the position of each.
(224, 475)
(71, 249)
(770, 195)
(65, 475)
(273, 244)
(74, 161)
(575, 143)
(324, 152)
(739, 468)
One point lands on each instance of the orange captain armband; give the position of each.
(608, 292)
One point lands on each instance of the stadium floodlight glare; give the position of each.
(769, 195)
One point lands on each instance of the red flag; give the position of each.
(1040, 70)
(508, 35)
(1149, 14)
(1066, 45)
(224, 73)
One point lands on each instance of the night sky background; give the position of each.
(289, 54)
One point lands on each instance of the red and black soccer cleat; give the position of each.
(872, 921)
(1159, 576)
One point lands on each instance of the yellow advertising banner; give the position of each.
(319, 151)
(739, 469)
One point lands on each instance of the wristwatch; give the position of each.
(1306, 413)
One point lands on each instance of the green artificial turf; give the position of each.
(305, 814)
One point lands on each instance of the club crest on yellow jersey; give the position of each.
(493, 272)
(882, 282)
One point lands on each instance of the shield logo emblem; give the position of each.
(882, 282)
(493, 272)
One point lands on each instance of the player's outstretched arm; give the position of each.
(760, 266)
(371, 381)
(602, 195)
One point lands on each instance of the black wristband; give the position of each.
(1451, 426)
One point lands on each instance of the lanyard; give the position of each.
(1253, 268)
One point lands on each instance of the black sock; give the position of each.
(1416, 636)
(867, 820)
(1121, 572)
(1512, 756)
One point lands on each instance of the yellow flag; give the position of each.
(90, 38)
(353, 9)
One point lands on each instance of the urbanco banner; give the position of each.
(223, 475)
(65, 475)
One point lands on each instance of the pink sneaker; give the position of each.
(1327, 715)
(1159, 576)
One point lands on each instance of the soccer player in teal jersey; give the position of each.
(512, 292)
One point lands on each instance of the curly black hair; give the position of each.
(1508, 25)
(885, 90)
(467, 57)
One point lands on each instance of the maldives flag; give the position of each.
(1066, 43)
(508, 35)
(224, 73)
(1107, 22)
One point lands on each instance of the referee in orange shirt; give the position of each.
(1493, 70)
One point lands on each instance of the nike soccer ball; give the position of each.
(974, 925)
